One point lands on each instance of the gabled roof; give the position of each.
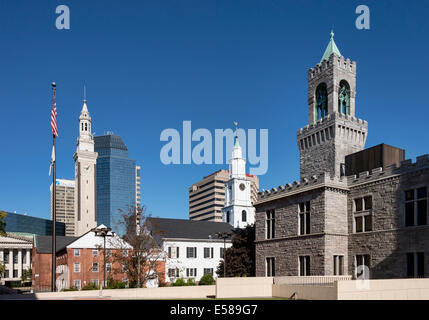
(90, 241)
(43, 244)
(331, 48)
(188, 229)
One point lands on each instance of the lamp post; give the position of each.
(224, 236)
(103, 231)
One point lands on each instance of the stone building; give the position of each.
(355, 211)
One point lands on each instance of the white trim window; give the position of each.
(76, 284)
(191, 252)
(173, 273)
(109, 267)
(362, 263)
(208, 253)
(304, 218)
(362, 214)
(173, 252)
(76, 252)
(76, 267)
(95, 253)
(208, 271)
(191, 272)
(95, 267)
(96, 282)
(338, 265)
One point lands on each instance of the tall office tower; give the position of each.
(64, 191)
(116, 181)
(207, 197)
(238, 210)
(138, 195)
(85, 172)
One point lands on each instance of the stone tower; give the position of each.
(85, 176)
(238, 210)
(333, 131)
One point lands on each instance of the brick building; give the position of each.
(80, 261)
(354, 211)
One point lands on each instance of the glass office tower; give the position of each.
(116, 181)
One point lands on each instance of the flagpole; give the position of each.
(54, 205)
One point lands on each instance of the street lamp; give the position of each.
(103, 231)
(224, 236)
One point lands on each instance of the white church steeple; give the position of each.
(85, 175)
(238, 209)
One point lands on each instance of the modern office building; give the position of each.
(65, 209)
(116, 181)
(207, 197)
(21, 223)
(138, 194)
(354, 211)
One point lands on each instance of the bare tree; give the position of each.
(144, 263)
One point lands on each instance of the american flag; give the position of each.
(54, 118)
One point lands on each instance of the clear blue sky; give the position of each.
(149, 65)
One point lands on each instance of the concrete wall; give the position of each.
(391, 289)
(305, 292)
(244, 287)
(194, 292)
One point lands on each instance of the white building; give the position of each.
(192, 248)
(238, 210)
(85, 176)
(15, 254)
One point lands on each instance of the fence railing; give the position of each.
(310, 280)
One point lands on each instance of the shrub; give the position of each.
(191, 282)
(206, 280)
(91, 286)
(179, 283)
(111, 284)
(71, 289)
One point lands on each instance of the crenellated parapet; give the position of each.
(305, 184)
(406, 166)
(334, 61)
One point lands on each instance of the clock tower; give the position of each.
(85, 176)
(238, 210)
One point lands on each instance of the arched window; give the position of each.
(244, 216)
(227, 217)
(82, 126)
(321, 101)
(344, 98)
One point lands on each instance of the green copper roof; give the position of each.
(236, 144)
(331, 48)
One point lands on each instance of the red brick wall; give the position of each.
(42, 265)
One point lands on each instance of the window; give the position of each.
(109, 267)
(304, 218)
(173, 273)
(222, 252)
(94, 253)
(363, 214)
(208, 253)
(338, 265)
(95, 267)
(76, 284)
(191, 252)
(95, 281)
(124, 267)
(77, 252)
(270, 267)
(244, 216)
(270, 224)
(24, 256)
(109, 252)
(362, 266)
(15, 256)
(415, 265)
(125, 253)
(208, 271)
(416, 207)
(6, 257)
(304, 265)
(173, 252)
(15, 273)
(228, 218)
(191, 272)
(76, 267)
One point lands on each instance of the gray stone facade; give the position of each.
(333, 197)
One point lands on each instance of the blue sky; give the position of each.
(149, 65)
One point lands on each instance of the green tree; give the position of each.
(240, 258)
(206, 280)
(2, 223)
(27, 275)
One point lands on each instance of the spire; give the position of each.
(84, 107)
(236, 143)
(331, 48)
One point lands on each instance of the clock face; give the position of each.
(242, 186)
